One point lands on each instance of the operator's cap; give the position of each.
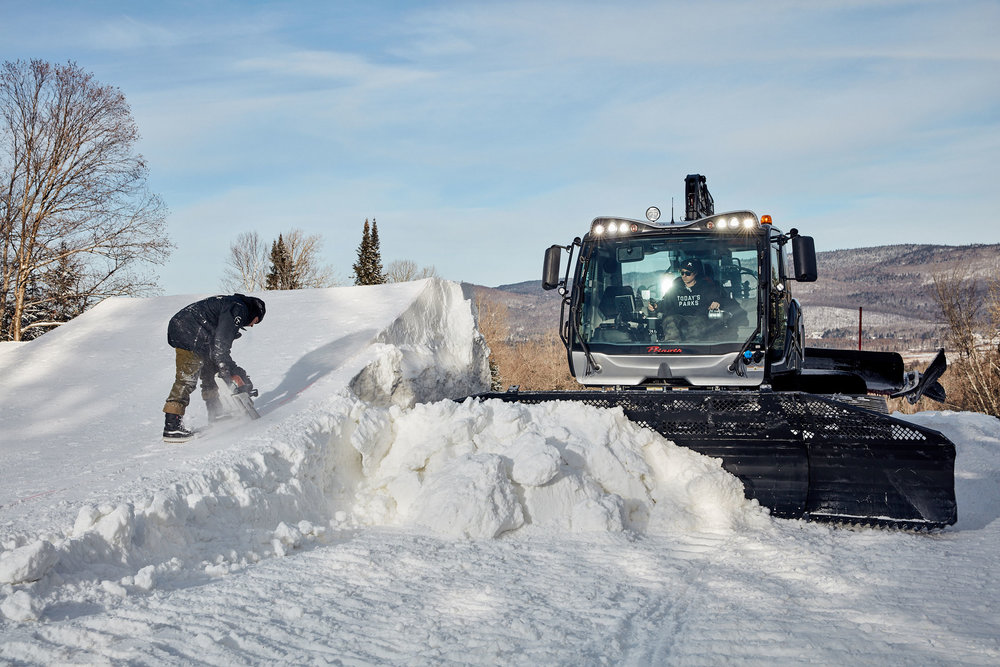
(692, 265)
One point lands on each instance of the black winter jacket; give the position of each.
(694, 302)
(209, 327)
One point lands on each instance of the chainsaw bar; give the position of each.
(244, 398)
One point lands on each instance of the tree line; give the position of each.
(293, 261)
(78, 222)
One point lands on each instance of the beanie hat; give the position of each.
(255, 307)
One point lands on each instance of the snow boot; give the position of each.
(174, 431)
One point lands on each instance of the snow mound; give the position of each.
(480, 469)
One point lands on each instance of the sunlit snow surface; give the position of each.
(366, 519)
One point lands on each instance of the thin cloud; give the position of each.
(331, 65)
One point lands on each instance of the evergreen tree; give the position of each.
(375, 258)
(282, 274)
(360, 267)
(277, 264)
(368, 269)
(54, 297)
(63, 282)
(34, 316)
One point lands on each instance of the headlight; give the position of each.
(731, 222)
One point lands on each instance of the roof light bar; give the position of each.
(605, 227)
(744, 221)
(726, 222)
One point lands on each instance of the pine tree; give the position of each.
(282, 274)
(277, 256)
(35, 313)
(368, 269)
(63, 283)
(53, 297)
(377, 272)
(360, 267)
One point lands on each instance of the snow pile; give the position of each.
(357, 431)
(481, 469)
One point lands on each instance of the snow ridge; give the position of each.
(262, 496)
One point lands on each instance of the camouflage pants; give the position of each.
(189, 368)
(680, 328)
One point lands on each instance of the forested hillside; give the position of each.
(894, 285)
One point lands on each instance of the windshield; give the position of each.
(681, 290)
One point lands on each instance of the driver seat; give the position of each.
(608, 303)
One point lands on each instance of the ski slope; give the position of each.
(365, 519)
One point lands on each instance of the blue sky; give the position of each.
(480, 133)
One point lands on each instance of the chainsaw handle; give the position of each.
(238, 385)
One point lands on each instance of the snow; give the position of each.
(367, 519)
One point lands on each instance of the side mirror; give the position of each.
(550, 270)
(804, 259)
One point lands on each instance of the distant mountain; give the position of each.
(893, 285)
(528, 287)
(895, 279)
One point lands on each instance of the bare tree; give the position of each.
(246, 268)
(306, 264)
(71, 185)
(250, 262)
(405, 270)
(973, 318)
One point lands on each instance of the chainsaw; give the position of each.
(244, 398)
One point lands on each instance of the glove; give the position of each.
(242, 381)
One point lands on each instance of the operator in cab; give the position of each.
(694, 308)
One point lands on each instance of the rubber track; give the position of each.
(802, 455)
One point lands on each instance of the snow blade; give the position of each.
(802, 455)
(926, 383)
(881, 371)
